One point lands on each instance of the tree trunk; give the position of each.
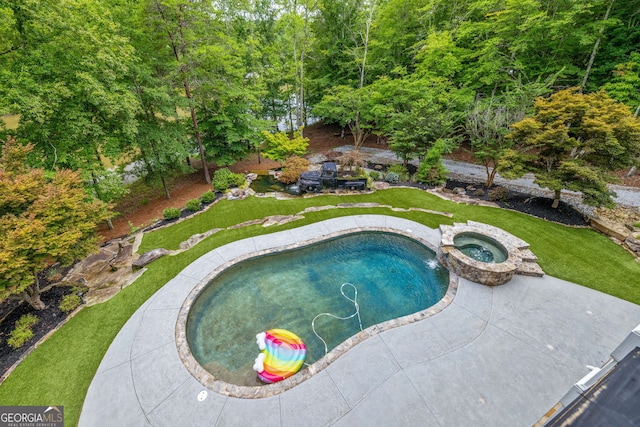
(196, 132)
(31, 295)
(366, 42)
(595, 49)
(556, 199)
(179, 52)
(491, 177)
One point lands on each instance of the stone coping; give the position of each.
(490, 274)
(253, 392)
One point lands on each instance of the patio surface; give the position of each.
(498, 356)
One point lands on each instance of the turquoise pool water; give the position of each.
(480, 247)
(394, 276)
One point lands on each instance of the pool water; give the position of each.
(480, 247)
(394, 276)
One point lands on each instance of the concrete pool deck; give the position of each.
(498, 356)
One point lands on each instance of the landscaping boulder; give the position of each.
(149, 257)
(633, 245)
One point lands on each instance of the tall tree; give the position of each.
(44, 218)
(66, 79)
(352, 108)
(572, 141)
(489, 118)
(184, 25)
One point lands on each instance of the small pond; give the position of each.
(266, 183)
(394, 276)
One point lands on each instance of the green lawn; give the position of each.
(59, 371)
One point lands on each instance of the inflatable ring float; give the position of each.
(282, 354)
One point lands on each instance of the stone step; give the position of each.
(530, 269)
(527, 256)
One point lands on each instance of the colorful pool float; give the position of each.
(281, 355)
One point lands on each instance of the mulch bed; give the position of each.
(536, 206)
(50, 318)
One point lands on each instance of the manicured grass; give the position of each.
(59, 372)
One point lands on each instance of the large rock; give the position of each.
(149, 257)
(633, 244)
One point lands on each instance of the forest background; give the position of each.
(157, 81)
(153, 83)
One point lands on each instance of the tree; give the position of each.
(434, 112)
(572, 141)
(161, 143)
(67, 80)
(280, 146)
(489, 119)
(625, 82)
(349, 107)
(44, 218)
(184, 24)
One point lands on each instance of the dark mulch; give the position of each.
(50, 318)
(536, 206)
(184, 213)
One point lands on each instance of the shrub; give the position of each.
(352, 161)
(133, 229)
(18, 337)
(224, 178)
(27, 321)
(498, 193)
(171, 213)
(401, 171)
(293, 168)
(22, 331)
(375, 175)
(208, 197)
(69, 302)
(431, 170)
(392, 178)
(193, 205)
(237, 180)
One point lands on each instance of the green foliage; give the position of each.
(280, 146)
(44, 218)
(488, 122)
(400, 170)
(293, 168)
(22, 331)
(194, 205)
(223, 179)
(625, 82)
(392, 177)
(27, 321)
(70, 302)
(353, 108)
(572, 141)
(68, 80)
(375, 175)
(171, 213)
(431, 170)
(208, 197)
(110, 186)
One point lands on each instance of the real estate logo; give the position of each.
(31, 416)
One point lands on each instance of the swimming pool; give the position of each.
(394, 276)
